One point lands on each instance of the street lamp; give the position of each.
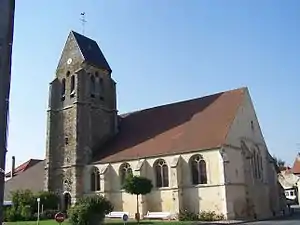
(38, 214)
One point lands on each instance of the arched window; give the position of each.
(255, 164)
(95, 179)
(258, 166)
(198, 170)
(261, 168)
(125, 170)
(72, 85)
(63, 87)
(101, 88)
(92, 86)
(161, 173)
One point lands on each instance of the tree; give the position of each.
(279, 162)
(49, 200)
(137, 185)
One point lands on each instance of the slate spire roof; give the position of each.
(193, 125)
(91, 52)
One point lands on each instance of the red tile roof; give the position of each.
(196, 124)
(296, 166)
(32, 178)
(24, 166)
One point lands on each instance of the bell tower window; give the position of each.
(92, 86)
(63, 89)
(72, 86)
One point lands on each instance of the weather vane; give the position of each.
(83, 21)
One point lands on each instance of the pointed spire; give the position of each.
(90, 51)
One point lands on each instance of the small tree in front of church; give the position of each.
(137, 185)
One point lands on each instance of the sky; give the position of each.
(163, 51)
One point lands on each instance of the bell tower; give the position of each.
(82, 114)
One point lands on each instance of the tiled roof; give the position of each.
(24, 166)
(91, 51)
(196, 124)
(296, 166)
(32, 178)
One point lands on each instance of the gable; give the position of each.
(192, 125)
(71, 55)
(245, 126)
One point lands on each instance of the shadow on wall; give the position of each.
(191, 199)
(154, 201)
(190, 195)
(243, 209)
(116, 197)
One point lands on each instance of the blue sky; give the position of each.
(163, 51)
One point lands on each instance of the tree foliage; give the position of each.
(90, 210)
(137, 185)
(279, 162)
(24, 205)
(49, 200)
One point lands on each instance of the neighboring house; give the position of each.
(30, 175)
(20, 169)
(290, 183)
(202, 154)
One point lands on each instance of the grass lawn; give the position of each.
(110, 221)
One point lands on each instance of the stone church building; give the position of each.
(206, 153)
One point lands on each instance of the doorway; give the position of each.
(67, 201)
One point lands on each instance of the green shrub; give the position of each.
(12, 214)
(89, 210)
(25, 205)
(26, 213)
(49, 200)
(22, 198)
(48, 214)
(186, 215)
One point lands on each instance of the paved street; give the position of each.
(292, 220)
(295, 220)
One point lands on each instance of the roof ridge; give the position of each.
(187, 100)
(27, 170)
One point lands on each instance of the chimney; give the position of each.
(13, 166)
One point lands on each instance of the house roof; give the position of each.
(296, 166)
(186, 126)
(32, 178)
(91, 51)
(24, 166)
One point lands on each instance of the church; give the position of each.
(203, 154)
